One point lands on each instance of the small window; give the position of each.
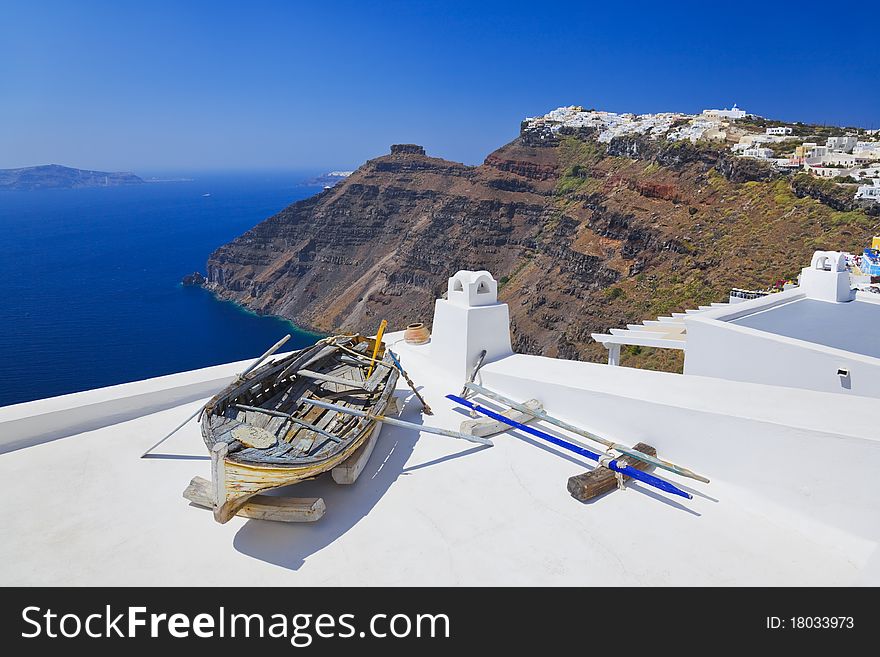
(482, 288)
(457, 286)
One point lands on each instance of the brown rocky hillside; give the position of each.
(582, 236)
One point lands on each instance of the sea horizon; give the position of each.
(94, 287)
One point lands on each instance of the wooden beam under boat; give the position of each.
(233, 483)
(261, 507)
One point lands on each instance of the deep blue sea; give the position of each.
(90, 290)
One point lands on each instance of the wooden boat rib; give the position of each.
(261, 437)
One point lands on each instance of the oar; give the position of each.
(395, 422)
(425, 408)
(613, 464)
(275, 347)
(473, 376)
(379, 335)
(541, 415)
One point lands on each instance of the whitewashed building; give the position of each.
(869, 192)
(839, 159)
(867, 151)
(758, 152)
(843, 144)
(817, 168)
(608, 124)
(867, 172)
(732, 113)
(780, 130)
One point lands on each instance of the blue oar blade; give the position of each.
(649, 479)
(629, 471)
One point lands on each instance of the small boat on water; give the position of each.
(263, 434)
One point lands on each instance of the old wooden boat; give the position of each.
(261, 436)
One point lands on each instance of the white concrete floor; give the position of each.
(86, 510)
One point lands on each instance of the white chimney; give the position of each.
(467, 322)
(827, 278)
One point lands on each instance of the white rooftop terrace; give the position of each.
(794, 497)
(848, 326)
(820, 334)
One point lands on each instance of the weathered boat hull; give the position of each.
(262, 437)
(235, 483)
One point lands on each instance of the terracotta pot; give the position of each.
(416, 333)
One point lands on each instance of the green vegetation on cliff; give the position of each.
(713, 234)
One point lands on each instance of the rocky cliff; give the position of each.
(583, 236)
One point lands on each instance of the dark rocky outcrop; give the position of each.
(402, 149)
(194, 279)
(834, 196)
(677, 154)
(580, 133)
(744, 169)
(871, 208)
(637, 147)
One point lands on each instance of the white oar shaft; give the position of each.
(395, 422)
(629, 451)
(275, 347)
(173, 431)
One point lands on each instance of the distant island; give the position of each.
(55, 176)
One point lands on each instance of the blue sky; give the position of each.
(177, 86)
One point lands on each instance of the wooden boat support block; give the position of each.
(488, 427)
(261, 507)
(600, 480)
(349, 470)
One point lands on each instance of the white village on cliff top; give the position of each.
(852, 156)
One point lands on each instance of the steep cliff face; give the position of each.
(582, 236)
(383, 242)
